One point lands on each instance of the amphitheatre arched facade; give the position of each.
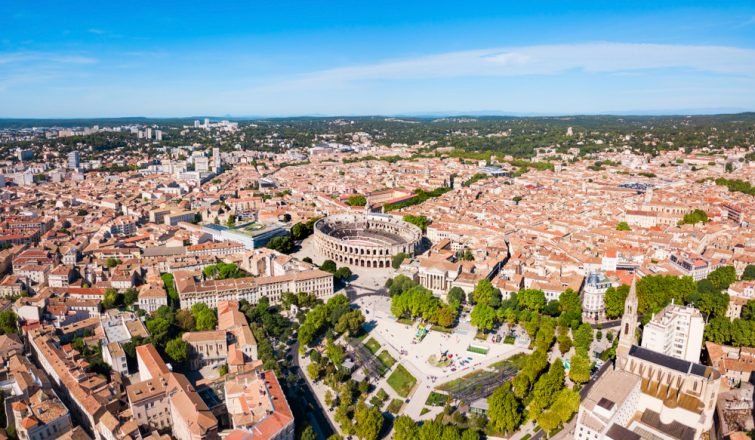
(365, 240)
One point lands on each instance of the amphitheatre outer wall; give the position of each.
(365, 240)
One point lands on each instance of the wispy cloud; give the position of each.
(542, 60)
(36, 57)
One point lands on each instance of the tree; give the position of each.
(397, 259)
(615, 298)
(111, 299)
(470, 434)
(112, 262)
(623, 226)
(131, 296)
(722, 277)
(314, 370)
(404, 428)
(579, 370)
(356, 201)
(204, 317)
(583, 337)
(564, 341)
(185, 320)
(368, 421)
(694, 217)
(531, 299)
(485, 293)
(8, 322)
(446, 316)
(546, 387)
(329, 266)
(656, 291)
(504, 413)
(418, 220)
(565, 404)
(483, 317)
(351, 322)
(231, 222)
(177, 349)
(308, 434)
(335, 353)
(343, 273)
(456, 296)
(430, 430)
(282, 244)
(748, 310)
(749, 273)
(570, 306)
(170, 287)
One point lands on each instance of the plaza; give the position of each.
(399, 340)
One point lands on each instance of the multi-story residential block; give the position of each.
(193, 291)
(593, 296)
(206, 348)
(675, 331)
(43, 416)
(166, 399)
(257, 407)
(152, 297)
(740, 293)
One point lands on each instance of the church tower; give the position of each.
(628, 330)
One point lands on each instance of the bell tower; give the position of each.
(628, 328)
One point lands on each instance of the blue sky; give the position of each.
(250, 58)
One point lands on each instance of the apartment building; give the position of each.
(211, 292)
(206, 348)
(257, 407)
(676, 331)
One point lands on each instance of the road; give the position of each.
(301, 398)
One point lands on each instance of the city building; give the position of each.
(593, 297)
(74, 160)
(257, 407)
(675, 331)
(648, 394)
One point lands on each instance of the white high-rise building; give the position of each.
(196, 123)
(158, 135)
(676, 331)
(74, 160)
(148, 133)
(206, 123)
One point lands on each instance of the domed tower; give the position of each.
(628, 328)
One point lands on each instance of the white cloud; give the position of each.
(541, 60)
(41, 57)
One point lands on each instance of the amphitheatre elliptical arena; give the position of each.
(366, 239)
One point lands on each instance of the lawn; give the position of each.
(395, 406)
(401, 381)
(509, 340)
(436, 399)
(386, 359)
(477, 349)
(372, 345)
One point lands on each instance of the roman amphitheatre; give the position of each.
(365, 240)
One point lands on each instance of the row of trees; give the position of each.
(534, 394)
(404, 428)
(657, 291)
(410, 300)
(335, 315)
